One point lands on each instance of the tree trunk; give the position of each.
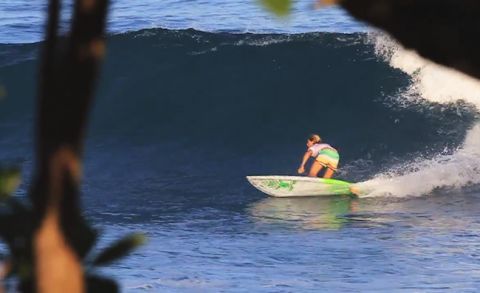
(67, 79)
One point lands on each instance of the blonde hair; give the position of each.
(315, 138)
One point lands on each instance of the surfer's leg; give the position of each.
(329, 160)
(328, 173)
(314, 169)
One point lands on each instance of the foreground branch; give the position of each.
(68, 77)
(441, 30)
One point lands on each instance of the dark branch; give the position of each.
(441, 30)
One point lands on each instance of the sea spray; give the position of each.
(422, 176)
(431, 83)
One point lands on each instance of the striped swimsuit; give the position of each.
(326, 155)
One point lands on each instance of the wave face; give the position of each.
(230, 105)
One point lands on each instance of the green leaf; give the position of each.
(101, 285)
(9, 181)
(279, 7)
(120, 249)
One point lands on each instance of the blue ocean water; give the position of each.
(183, 115)
(22, 21)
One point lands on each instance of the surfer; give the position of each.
(326, 156)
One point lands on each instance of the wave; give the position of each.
(251, 99)
(422, 176)
(431, 83)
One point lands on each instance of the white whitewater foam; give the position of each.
(421, 177)
(437, 84)
(431, 81)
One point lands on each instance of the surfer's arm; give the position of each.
(307, 155)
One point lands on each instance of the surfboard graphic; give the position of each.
(287, 186)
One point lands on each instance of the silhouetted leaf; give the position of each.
(85, 244)
(83, 238)
(18, 208)
(14, 231)
(120, 249)
(279, 7)
(101, 285)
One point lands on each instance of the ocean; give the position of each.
(196, 95)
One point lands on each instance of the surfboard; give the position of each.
(288, 186)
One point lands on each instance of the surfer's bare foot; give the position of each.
(355, 190)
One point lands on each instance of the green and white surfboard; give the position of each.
(288, 186)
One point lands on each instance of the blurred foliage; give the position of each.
(279, 7)
(119, 249)
(284, 7)
(17, 226)
(10, 179)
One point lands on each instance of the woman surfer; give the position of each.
(326, 156)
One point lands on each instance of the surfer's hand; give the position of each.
(301, 170)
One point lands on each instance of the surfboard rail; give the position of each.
(288, 186)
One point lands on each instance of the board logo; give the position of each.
(281, 184)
